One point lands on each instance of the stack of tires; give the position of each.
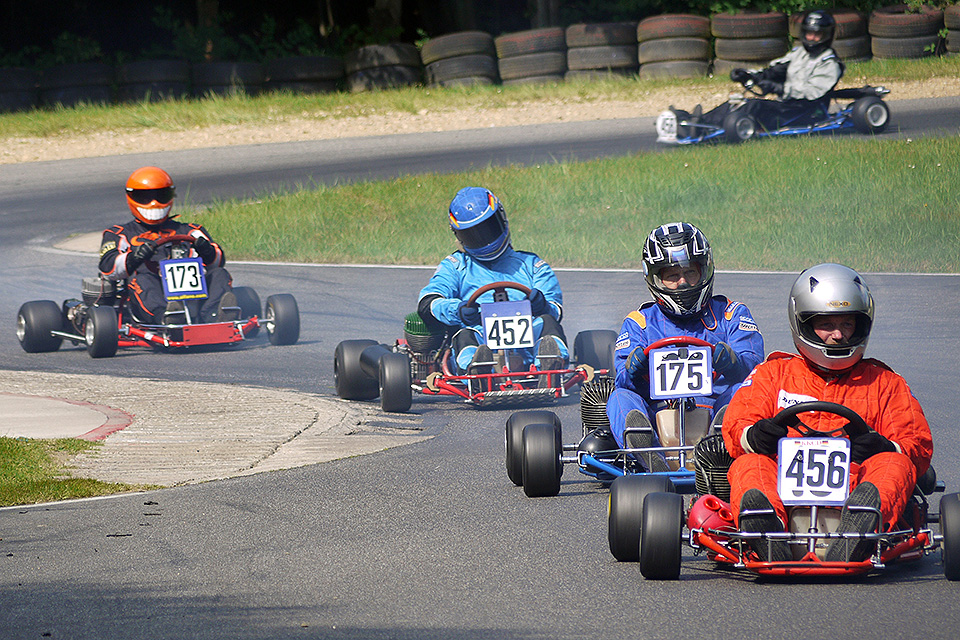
(674, 45)
(850, 40)
(951, 19)
(748, 40)
(534, 56)
(600, 49)
(18, 89)
(304, 74)
(898, 33)
(72, 84)
(223, 78)
(458, 59)
(152, 80)
(383, 66)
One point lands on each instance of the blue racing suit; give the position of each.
(721, 321)
(459, 275)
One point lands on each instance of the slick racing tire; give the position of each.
(542, 467)
(870, 115)
(396, 395)
(625, 512)
(282, 317)
(595, 348)
(739, 127)
(349, 378)
(660, 536)
(101, 332)
(514, 439)
(249, 303)
(35, 321)
(950, 529)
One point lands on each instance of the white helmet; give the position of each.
(830, 289)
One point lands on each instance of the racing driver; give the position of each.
(831, 314)
(678, 269)
(130, 251)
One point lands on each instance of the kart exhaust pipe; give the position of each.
(370, 359)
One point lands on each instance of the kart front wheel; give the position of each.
(870, 115)
(249, 303)
(396, 395)
(514, 439)
(739, 127)
(660, 536)
(541, 463)
(35, 321)
(348, 377)
(282, 317)
(625, 512)
(101, 332)
(950, 530)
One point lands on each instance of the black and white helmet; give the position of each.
(830, 289)
(678, 244)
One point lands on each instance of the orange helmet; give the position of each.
(150, 193)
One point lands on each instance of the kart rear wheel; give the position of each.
(35, 321)
(541, 460)
(349, 379)
(625, 512)
(595, 348)
(396, 395)
(514, 439)
(249, 303)
(739, 127)
(870, 115)
(282, 317)
(660, 536)
(950, 529)
(101, 332)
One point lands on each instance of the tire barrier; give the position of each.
(532, 57)
(222, 78)
(595, 50)
(72, 84)
(748, 40)
(152, 80)
(673, 45)
(951, 20)
(19, 90)
(460, 59)
(850, 41)
(897, 33)
(304, 74)
(383, 66)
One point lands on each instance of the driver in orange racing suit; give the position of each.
(130, 251)
(831, 313)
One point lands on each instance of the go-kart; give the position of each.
(421, 361)
(813, 484)
(858, 108)
(102, 321)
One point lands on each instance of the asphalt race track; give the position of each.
(427, 541)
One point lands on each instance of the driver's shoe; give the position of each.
(549, 359)
(857, 520)
(757, 515)
(228, 310)
(638, 434)
(666, 127)
(482, 362)
(176, 313)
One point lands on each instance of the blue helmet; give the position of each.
(478, 221)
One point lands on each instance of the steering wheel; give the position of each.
(177, 237)
(497, 288)
(677, 341)
(855, 424)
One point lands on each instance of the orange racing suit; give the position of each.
(878, 394)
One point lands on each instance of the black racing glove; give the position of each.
(764, 436)
(140, 255)
(204, 249)
(869, 444)
(769, 86)
(739, 75)
(538, 303)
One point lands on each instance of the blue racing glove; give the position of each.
(724, 358)
(538, 304)
(637, 366)
(469, 315)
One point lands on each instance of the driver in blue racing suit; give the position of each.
(480, 225)
(678, 269)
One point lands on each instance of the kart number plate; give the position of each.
(507, 325)
(183, 279)
(681, 372)
(814, 471)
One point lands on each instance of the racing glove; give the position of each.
(724, 358)
(141, 254)
(205, 249)
(637, 366)
(538, 303)
(769, 86)
(869, 444)
(764, 436)
(739, 75)
(469, 315)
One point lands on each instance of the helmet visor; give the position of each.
(482, 234)
(163, 195)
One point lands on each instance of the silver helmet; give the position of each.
(830, 289)
(678, 244)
